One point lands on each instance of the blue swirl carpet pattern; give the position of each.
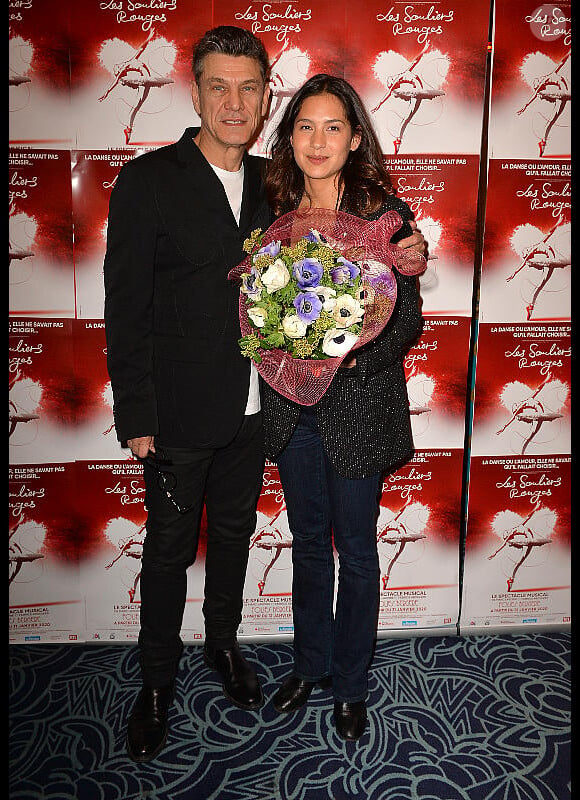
(452, 718)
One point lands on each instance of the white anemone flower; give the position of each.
(337, 342)
(276, 276)
(258, 316)
(327, 297)
(347, 311)
(293, 326)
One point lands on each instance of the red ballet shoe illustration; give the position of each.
(396, 144)
(261, 586)
(542, 145)
(127, 132)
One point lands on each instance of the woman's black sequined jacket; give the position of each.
(363, 417)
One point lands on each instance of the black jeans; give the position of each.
(229, 479)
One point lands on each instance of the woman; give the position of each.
(331, 456)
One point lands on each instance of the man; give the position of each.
(185, 400)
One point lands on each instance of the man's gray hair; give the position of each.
(230, 41)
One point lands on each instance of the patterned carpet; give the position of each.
(453, 718)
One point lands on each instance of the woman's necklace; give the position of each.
(306, 201)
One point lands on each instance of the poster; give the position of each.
(95, 435)
(418, 542)
(40, 233)
(93, 176)
(268, 587)
(42, 392)
(436, 372)
(131, 70)
(517, 557)
(530, 116)
(527, 253)
(39, 74)
(111, 510)
(45, 600)
(522, 403)
(441, 191)
(420, 70)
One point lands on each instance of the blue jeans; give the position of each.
(320, 503)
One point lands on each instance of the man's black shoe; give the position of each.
(147, 726)
(292, 694)
(239, 678)
(350, 719)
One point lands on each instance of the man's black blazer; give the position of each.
(171, 315)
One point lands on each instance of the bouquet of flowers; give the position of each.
(305, 298)
(316, 285)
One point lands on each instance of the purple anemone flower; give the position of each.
(251, 285)
(308, 273)
(308, 306)
(271, 249)
(346, 272)
(314, 236)
(384, 278)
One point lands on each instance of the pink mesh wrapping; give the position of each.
(368, 243)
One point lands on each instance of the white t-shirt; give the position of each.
(233, 183)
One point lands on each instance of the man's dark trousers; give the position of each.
(229, 480)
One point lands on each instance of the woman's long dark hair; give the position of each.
(364, 180)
